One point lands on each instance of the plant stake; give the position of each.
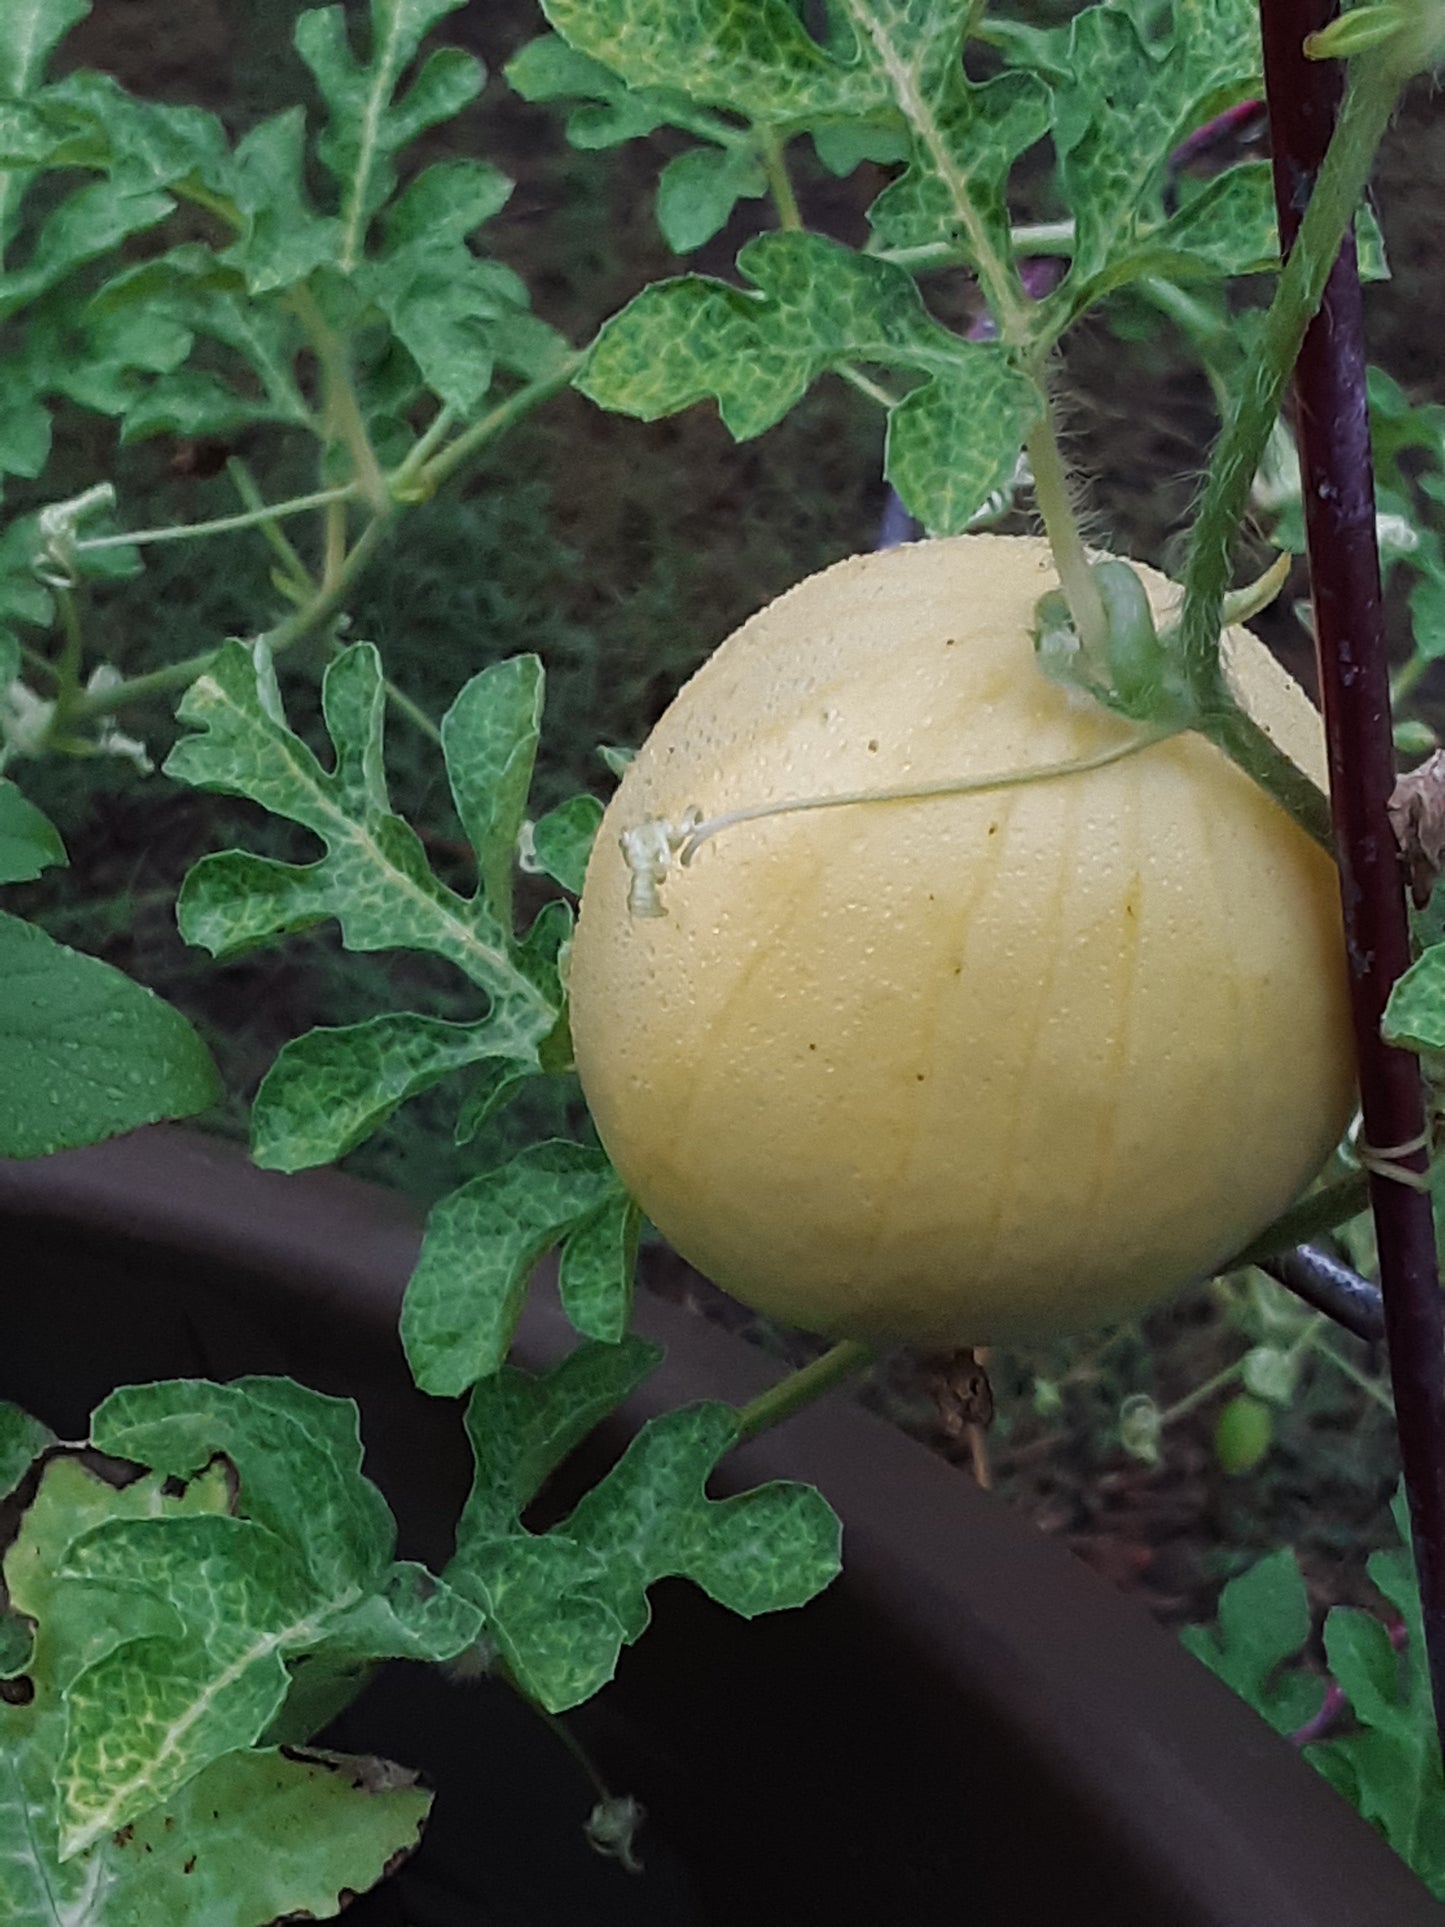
(1338, 488)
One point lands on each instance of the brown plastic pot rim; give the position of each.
(1168, 1761)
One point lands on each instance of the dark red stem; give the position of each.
(1334, 433)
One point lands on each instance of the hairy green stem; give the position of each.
(1245, 743)
(413, 712)
(266, 513)
(496, 422)
(1341, 182)
(780, 184)
(68, 697)
(1201, 1393)
(1029, 239)
(248, 489)
(1076, 579)
(343, 409)
(802, 1387)
(865, 384)
(293, 629)
(428, 442)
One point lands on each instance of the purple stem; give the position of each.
(1334, 432)
(1224, 127)
(1335, 1705)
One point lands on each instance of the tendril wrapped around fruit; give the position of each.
(977, 1064)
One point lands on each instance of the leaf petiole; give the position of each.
(802, 1387)
(267, 513)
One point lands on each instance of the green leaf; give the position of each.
(297, 1454)
(1130, 103)
(256, 1837)
(1366, 1667)
(1415, 1015)
(98, 357)
(285, 239)
(846, 145)
(80, 1624)
(191, 291)
(142, 144)
(697, 191)
(521, 1427)
(757, 58)
(448, 201)
(152, 1713)
(374, 877)
(253, 1833)
(497, 1085)
(371, 121)
(599, 1258)
(329, 1090)
(85, 1053)
(414, 1615)
(480, 1248)
(1264, 1620)
(30, 31)
(548, 69)
(489, 738)
(22, 1440)
(1226, 229)
(29, 841)
(450, 312)
(562, 841)
(561, 1607)
(952, 441)
(24, 420)
(449, 309)
(17, 1644)
(88, 225)
(168, 1626)
(965, 142)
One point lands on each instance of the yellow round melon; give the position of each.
(970, 1068)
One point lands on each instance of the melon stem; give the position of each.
(802, 1387)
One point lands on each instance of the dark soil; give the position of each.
(625, 552)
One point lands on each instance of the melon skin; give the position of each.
(968, 1069)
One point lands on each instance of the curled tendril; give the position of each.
(650, 851)
(59, 527)
(656, 847)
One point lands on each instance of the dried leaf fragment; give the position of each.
(1417, 816)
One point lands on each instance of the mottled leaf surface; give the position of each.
(1131, 100)
(334, 1087)
(561, 1606)
(562, 841)
(376, 105)
(167, 1610)
(479, 1251)
(751, 55)
(952, 440)
(1415, 1014)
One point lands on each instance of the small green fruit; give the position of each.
(1242, 1435)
